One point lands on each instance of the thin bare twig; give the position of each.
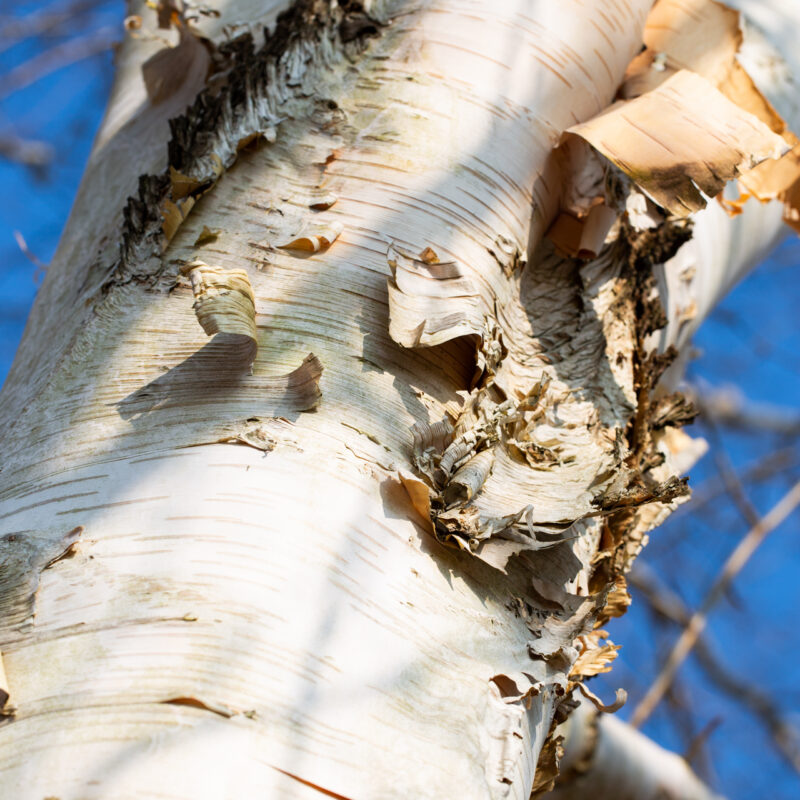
(733, 486)
(30, 152)
(760, 705)
(697, 751)
(670, 606)
(729, 408)
(730, 480)
(687, 640)
(41, 267)
(55, 58)
(784, 462)
(765, 468)
(48, 22)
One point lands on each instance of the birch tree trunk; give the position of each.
(362, 542)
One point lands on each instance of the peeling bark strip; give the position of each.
(430, 302)
(707, 37)
(310, 36)
(6, 708)
(680, 139)
(224, 303)
(22, 562)
(321, 239)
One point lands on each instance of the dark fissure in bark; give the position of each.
(646, 249)
(216, 115)
(641, 252)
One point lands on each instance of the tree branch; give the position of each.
(737, 559)
(606, 759)
(46, 22)
(30, 152)
(727, 407)
(56, 58)
(762, 470)
(670, 606)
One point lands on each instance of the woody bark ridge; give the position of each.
(536, 421)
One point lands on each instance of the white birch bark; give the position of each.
(210, 589)
(605, 759)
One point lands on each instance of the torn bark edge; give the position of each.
(620, 698)
(430, 302)
(572, 740)
(7, 710)
(624, 508)
(504, 723)
(29, 589)
(69, 550)
(261, 433)
(215, 708)
(627, 135)
(548, 765)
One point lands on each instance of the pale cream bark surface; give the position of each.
(246, 592)
(605, 759)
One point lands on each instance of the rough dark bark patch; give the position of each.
(641, 251)
(217, 112)
(645, 249)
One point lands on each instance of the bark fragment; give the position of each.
(582, 237)
(24, 556)
(703, 36)
(595, 657)
(314, 241)
(224, 303)
(193, 702)
(680, 139)
(207, 235)
(707, 37)
(430, 302)
(547, 768)
(6, 708)
(587, 210)
(324, 202)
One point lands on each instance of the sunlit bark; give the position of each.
(216, 582)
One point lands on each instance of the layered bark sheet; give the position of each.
(363, 540)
